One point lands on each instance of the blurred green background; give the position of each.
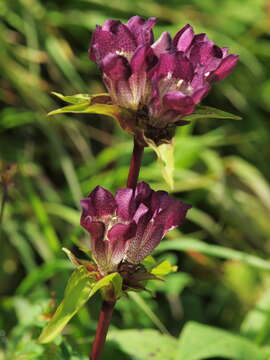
(222, 169)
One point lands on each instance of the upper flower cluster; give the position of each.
(161, 81)
(130, 225)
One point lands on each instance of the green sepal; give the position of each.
(164, 268)
(149, 263)
(209, 112)
(89, 265)
(165, 155)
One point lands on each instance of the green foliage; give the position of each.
(202, 342)
(145, 344)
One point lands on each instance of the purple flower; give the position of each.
(130, 225)
(160, 81)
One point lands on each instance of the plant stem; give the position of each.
(135, 164)
(104, 320)
(3, 202)
(105, 315)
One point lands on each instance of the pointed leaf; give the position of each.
(166, 160)
(77, 292)
(94, 104)
(73, 99)
(120, 114)
(208, 112)
(102, 98)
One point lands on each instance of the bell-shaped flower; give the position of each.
(162, 81)
(128, 226)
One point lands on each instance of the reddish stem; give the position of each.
(135, 164)
(104, 320)
(105, 315)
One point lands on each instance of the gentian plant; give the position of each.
(153, 87)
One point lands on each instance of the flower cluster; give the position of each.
(130, 225)
(159, 81)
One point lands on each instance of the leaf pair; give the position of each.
(81, 286)
(101, 104)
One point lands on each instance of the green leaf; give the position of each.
(80, 288)
(145, 344)
(94, 104)
(166, 160)
(73, 99)
(164, 268)
(208, 112)
(78, 291)
(202, 342)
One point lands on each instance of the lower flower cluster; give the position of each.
(127, 227)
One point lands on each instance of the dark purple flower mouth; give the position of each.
(167, 77)
(129, 225)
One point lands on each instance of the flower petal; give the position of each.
(183, 38)
(123, 39)
(113, 37)
(173, 65)
(118, 241)
(103, 202)
(138, 250)
(163, 44)
(142, 209)
(142, 193)
(97, 231)
(225, 68)
(177, 101)
(121, 232)
(200, 93)
(116, 67)
(159, 200)
(143, 59)
(173, 215)
(125, 205)
(142, 29)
